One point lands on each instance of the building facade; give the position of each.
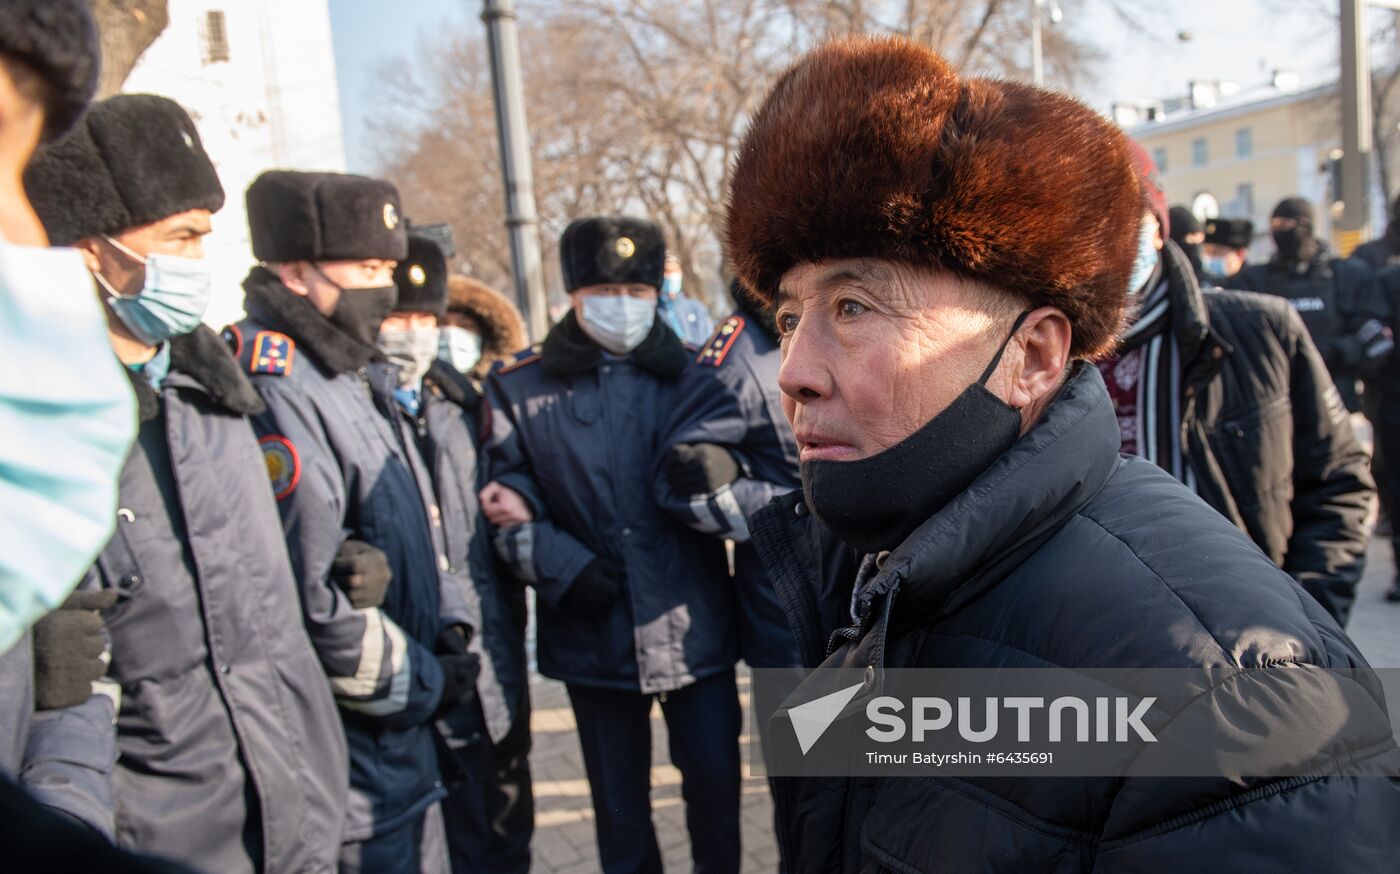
(258, 78)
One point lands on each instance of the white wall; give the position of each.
(274, 103)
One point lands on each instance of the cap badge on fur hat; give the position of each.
(417, 275)
(391, 216)
(625, 247)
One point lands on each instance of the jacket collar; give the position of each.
(200, 360)
(276, 306)
(1202, 347)
(1017, 504)
(444, 380)
(568, 351)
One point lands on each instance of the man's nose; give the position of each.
(805, 373)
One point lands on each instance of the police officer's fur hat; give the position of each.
(56, 39)
(1231, 233)
(132, 160)
(876, 148)
(296, 216)
(612, 249)
(422, 278)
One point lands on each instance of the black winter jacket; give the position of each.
(1338, 302)
(1065, 554)
(1268, 437)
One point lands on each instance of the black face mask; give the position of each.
(874, 504)
(361, 311)
(1296, 244)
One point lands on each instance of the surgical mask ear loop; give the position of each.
(996, 359)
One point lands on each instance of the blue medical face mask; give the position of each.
(1214, 265)
(69, 418)
(1147, 256)
(671, 286)
(618, 323)
(171, 303)
(459, 347)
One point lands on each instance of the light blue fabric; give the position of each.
(1147, 256)
(68, 418)
(171, 303)
(157, 369)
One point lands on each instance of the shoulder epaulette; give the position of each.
(519, 359)
(721, 341)
(269, 352)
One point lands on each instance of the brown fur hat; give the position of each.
(502, 328)
(876, 148)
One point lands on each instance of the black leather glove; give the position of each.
(700, 468)
(362, 572)
(593, 592)
(68, 647)
(460, 668)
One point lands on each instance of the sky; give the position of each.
(1238, 40)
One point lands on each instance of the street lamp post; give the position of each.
(503, 42)
(1038, 35)
(1357, 142)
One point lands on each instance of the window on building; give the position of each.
(1199, 155)
(1244, 142)
(1159, 157)
(215, 37)
(1244, 199)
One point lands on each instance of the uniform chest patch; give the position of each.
(720, 342)
(283, 464)
(272, 353)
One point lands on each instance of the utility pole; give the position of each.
(1038, 35)
(1037, 44)
(1356, 127)
(522, 222)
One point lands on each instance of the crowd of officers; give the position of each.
(304, 648)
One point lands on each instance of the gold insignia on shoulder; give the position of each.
(417, 275)
(391, 216)
(625, 247)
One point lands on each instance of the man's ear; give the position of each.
(1045, 340)
(293, 275)
(87, 247)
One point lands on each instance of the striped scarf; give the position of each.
(1159, 386)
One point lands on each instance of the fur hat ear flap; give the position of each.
(875, 148)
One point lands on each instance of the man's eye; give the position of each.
(850, 308)
(787, 323)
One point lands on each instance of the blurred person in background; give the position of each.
(1226, 248)
(481, 327)
(684, 314)
(1337, 298)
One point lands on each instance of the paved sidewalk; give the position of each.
(564, 839)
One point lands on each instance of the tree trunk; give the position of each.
(125, 29)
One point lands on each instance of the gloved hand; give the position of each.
(1376, 339)
(700, 468)
(362, 572)
(68, 648)
(593, 592)
(460, 668)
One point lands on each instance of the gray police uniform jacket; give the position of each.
(729, 397)
(230, 755)
(576, 433)
(339, 472)
(448, 431)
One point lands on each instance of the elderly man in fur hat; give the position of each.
(945, 257)
(230, 750)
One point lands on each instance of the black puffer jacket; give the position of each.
(1063, 553)
(1268, 437)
